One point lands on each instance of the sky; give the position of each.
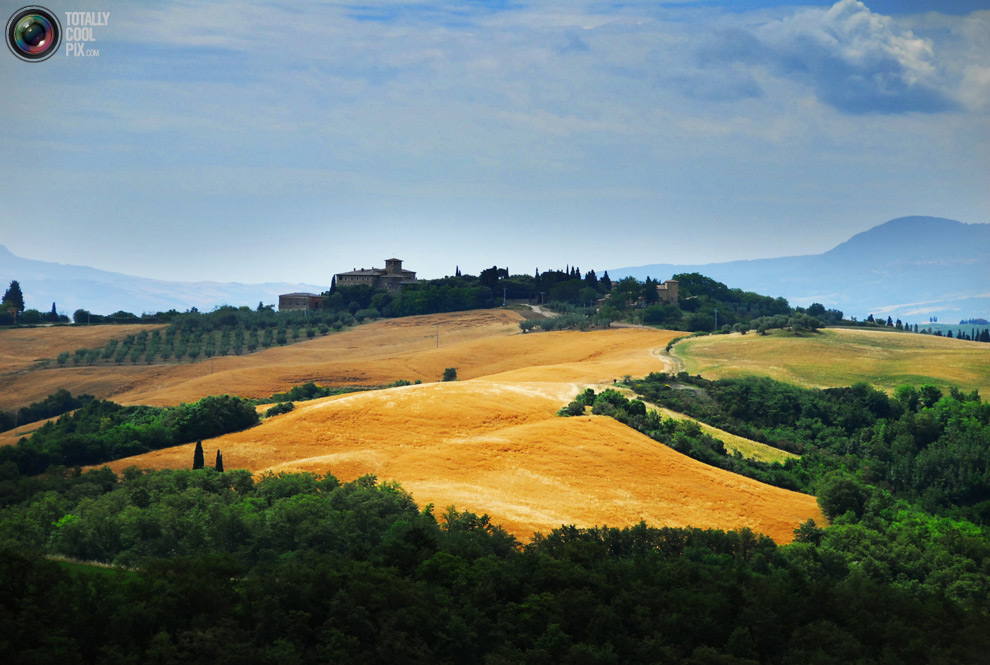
(265, 141)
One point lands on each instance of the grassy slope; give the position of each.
(841, 357)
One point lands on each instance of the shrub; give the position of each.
(279, 409)
(369, 313)
(575, 408)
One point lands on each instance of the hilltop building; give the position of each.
(668, 292)
(391, 278)
(290, 301)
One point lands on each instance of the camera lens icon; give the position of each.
(33, 34)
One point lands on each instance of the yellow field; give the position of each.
(21, 379)
(489, 443)
(841, 357)
(377, 353)
(495, 446)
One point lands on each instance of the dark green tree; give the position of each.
(13, 298)
(840, 493)
(198, 461)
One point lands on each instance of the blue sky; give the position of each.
(266, 141)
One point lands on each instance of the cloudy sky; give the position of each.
(267, 141)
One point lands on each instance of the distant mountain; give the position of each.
(101, 292)
(909, 268)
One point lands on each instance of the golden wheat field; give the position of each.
(841, 357)
(489, 443)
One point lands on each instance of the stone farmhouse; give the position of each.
(289, 301)
(391, 278)
(668, 292)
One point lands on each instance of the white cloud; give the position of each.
(856, 61)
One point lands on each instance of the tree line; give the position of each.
(59, 402)
(101, 431)
(301, 568)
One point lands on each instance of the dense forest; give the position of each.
(213, 566)
(220, 567)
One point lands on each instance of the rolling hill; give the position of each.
(841, 357)
(490, 442)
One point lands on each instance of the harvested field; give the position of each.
(841, 357)
(489, 443)
(22, 381)
(376, 353)
(495, 447)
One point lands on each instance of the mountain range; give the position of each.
(910, 268)
(73, 287)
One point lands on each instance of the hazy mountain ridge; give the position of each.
(910, 268)
(72, 287)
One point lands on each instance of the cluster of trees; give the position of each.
(224, 568)
(12, 309)
(704, 305)
(450, 294)
(974, 336)
(491, 287)
(921, 444)
(59, 402)
(101, 431)
(567, 320)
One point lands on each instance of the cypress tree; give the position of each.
(219, 463)
(13, 298)
(198, 461)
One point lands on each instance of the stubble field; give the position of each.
(489, 443)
